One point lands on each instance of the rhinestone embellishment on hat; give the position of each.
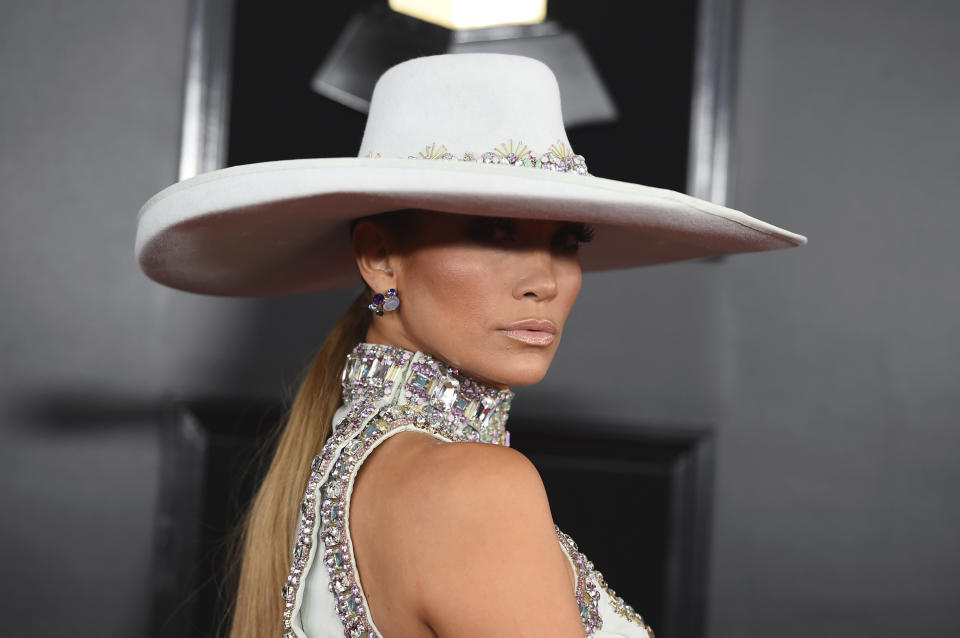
(558, 158)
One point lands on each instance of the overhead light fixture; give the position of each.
(380, 37)
(473, 14)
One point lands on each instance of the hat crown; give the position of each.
(464, 103)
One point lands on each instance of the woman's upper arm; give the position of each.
(489, 563)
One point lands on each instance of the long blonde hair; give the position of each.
(263, 548)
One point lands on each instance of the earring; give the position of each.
(387, 302)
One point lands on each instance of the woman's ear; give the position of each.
(372, 251)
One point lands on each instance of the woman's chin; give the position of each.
(521, 369)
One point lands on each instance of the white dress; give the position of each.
(387, 390)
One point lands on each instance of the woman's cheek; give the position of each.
(461, 282)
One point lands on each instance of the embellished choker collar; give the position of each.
(466, 409)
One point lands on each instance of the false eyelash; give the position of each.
(582, 233)
(585, 233)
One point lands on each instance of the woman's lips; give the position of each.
(536, 332)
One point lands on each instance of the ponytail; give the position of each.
(265, 542)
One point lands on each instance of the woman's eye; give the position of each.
(500, 233)
(572, 237)
(493, 230)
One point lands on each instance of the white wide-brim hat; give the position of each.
(477, 134)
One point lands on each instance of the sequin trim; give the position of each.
(620, 606)
(344, 580)
(558, 158)
(306, 530)
(588, 596)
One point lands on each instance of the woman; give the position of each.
(394, 505)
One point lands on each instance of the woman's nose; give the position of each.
(538, 279)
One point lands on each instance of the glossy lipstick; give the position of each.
(535, 332)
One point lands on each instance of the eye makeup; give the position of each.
(492, 230)
(571, 236)
(503, 230)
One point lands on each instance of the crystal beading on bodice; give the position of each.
(387, 390)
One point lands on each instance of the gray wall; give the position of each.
(837, 512)
(827, 371)
(89, 121)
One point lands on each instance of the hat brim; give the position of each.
(282, 227)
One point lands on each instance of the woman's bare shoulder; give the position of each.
(462, 473)
(473, 526)
(420, 484)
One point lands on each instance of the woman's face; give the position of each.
(488, 296)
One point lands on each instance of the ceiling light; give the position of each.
(473, 14)
(377, 39)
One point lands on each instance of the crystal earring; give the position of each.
(387, 302)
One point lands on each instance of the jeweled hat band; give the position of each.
(470, 106)
(558, 158)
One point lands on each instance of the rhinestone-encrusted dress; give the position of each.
(387, 390)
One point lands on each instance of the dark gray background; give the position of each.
(830, 372)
